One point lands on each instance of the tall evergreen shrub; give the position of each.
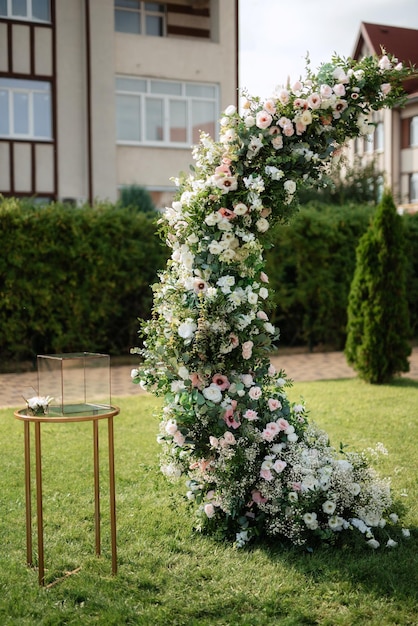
(378, 320)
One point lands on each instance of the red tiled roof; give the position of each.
(401, 42)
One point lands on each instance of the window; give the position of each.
(379, 137)
(413, 187)
(25, 109)
(369, 143)
(164, 112)
(140, 18)
(31, 10)
(414, 131)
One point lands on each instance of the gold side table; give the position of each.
(96, 415)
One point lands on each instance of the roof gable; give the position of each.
(401, 42)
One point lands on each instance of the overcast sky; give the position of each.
(276, 35)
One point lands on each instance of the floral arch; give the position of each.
(254, 464)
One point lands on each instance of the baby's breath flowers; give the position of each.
(254, 464)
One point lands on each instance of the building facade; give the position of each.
(100, 94)
(393, 147)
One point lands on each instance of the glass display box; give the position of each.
(78, 383)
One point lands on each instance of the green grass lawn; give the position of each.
(168, 575)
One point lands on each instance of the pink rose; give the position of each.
(300, 103)
(300, 127)
(263, 277)
(263, 119)
(229, 438)
(214, 441)
(274, 404)
(326, 91)
(270, 107)
(266, 474)
(277, 142)
(197, 380)
(272, 370)
(247, 349)
(339, 90)
(255, 393)
(279, 466)
(282, 424)
(257, 497)
(385, 88)
(179, 438)
(251, 415)
(209, 509)
(262, 316)
(284, 96)
(288, 130)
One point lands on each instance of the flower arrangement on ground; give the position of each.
(254, 465)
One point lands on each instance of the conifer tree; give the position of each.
(378, 329)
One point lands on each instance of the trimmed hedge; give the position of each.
(78, 279)
(74, 279)
(311, 266)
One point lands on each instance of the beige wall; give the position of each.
(180, 59)
(71, 100)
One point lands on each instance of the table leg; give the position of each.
(96, 484)
(28, 496)
(41, 574)
(112, 494)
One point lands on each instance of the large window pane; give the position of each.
(201, 91)
(154, 25)
(203, 119)
(164, 86)
(136, 85)
(4, 113)
(127, 4)
(414, 187)
(414, 131)
(127, 22)
(128, 116)
(178, 121)
(154, 120)
(3, 7)
(40, 10)
(19, 8)
(21, 113)
(42, 115)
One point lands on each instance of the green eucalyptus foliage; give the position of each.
(378, 321)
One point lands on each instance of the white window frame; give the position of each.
(143, 12)
(39, 87)
(413, 131)
(29, 12)
(166, 99)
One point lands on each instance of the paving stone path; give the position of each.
(303, 366)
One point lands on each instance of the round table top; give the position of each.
(85, 413)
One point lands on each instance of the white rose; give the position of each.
(230, 110)
(213, 393)
(187, 329)
(262, 225)
(290, 186)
